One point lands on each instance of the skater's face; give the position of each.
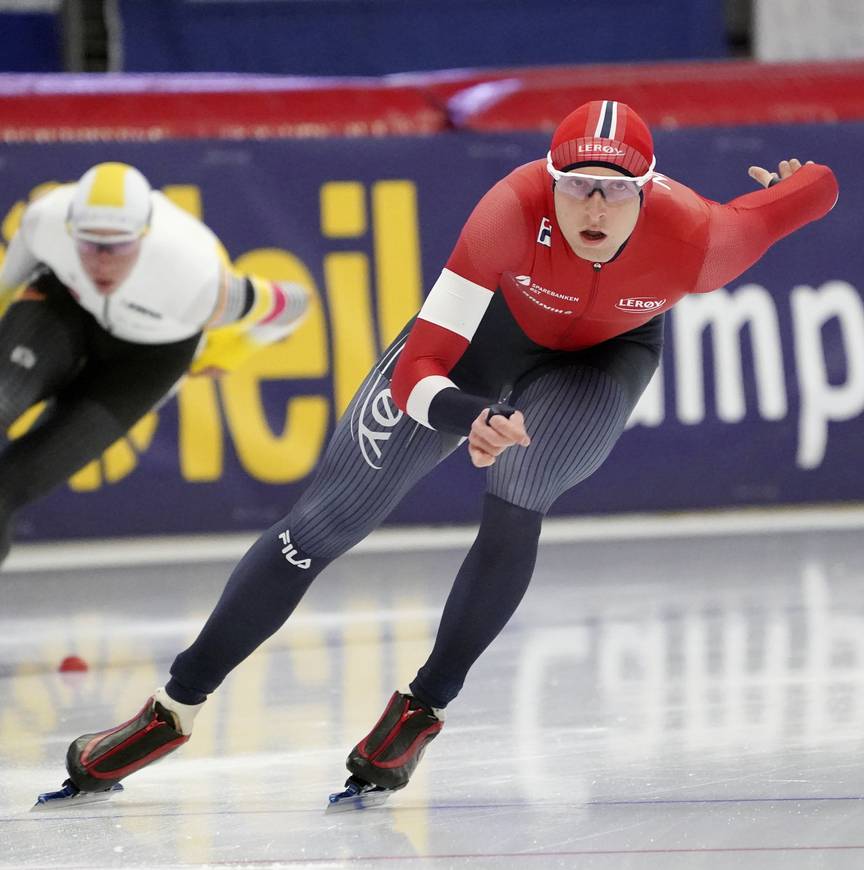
(109, 262)
(596, 225)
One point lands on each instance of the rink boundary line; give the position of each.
(556, 530)
(71, 814)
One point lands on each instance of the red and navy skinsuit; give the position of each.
(514, 308)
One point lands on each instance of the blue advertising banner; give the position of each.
(334, 37)
(759, 400)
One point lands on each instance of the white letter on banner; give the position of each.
(822, 402)
(727, 314)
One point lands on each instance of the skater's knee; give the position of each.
(11, 408)
(326, 534)
(14, 492)
(507, 524)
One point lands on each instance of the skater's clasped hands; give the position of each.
(490, 437)
(785, 169)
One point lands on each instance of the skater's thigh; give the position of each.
(42, 346)
(377, 453)
(574, 414)
(127, 379)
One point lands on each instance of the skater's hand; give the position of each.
(488, 439)
(785, 169)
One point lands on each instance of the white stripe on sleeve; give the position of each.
(422, 395)
(456, 304)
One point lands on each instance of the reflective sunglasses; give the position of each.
(613, 188)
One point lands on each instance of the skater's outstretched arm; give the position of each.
(741, 231)
(252, 313)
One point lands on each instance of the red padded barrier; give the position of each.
(667, 95)
(340, 110)
(117, 107)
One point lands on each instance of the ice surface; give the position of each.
(679, 703)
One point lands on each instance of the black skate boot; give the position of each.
(383, 761)
(97, 762)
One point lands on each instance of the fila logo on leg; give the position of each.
(289, 551)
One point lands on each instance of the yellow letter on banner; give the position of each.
(343, 209)
(186, 196)
(354, 352)
(200, 433)
(346, 276)
(397, 255)
(292, 455)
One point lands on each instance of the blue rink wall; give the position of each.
(758, 402)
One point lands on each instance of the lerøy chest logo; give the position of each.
(640, 304)
(544, 235)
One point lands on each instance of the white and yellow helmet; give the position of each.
(111, 196)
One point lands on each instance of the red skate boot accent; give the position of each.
(388, 755)
(96, 762)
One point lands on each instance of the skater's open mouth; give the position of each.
(592, 236)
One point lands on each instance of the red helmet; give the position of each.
(604, 131)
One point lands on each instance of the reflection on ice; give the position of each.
(705, 675)
(641, 685)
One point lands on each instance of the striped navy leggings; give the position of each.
(575, 409)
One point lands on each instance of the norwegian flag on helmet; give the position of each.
(603, 131)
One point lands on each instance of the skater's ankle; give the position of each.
(184, 694)
(439, 712)
(184, 714)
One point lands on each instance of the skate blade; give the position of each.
(358, 795)
(70, 797)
